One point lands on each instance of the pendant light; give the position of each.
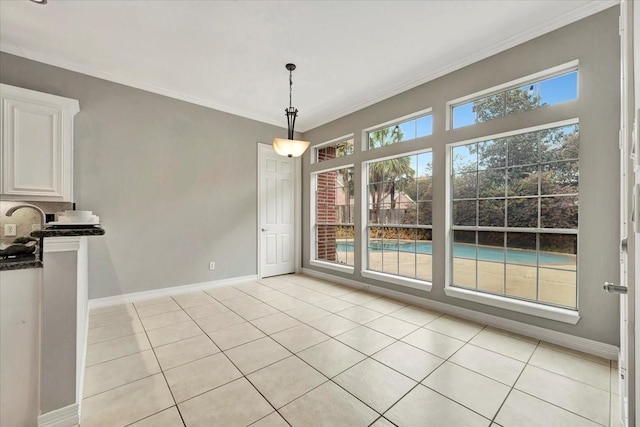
(290, 147)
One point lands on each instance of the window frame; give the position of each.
(315, 148)
(344, 268)
(513, 84)
(396, 121)
(364, 240)
(565, 315)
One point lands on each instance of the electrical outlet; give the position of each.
(10, 230)
(212, 265)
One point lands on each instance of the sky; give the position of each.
(552, 91)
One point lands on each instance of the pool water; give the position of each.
(461, 250)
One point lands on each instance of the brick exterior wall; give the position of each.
(326, 209)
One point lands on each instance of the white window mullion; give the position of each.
(556, 258)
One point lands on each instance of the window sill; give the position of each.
(343, 268)
(553, 313)
(397, 280)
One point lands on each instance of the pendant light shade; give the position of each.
(290, 147)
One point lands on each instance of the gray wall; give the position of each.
(173, 183)
(594, 42)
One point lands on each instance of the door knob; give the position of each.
(614, 289)
(264, 229)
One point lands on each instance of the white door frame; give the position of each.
(631, 12)
(629, 311)
(297, 215)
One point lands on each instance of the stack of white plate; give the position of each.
(77, 218)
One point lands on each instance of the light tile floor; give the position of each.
(294, 350)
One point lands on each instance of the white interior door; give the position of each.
(276, 178)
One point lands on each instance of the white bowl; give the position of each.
(78, 216)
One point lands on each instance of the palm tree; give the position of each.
(385, 176)
(345, 148)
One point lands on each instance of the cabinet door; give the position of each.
(36, 151)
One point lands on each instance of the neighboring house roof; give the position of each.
(402, 201)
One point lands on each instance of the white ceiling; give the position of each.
(231, 55)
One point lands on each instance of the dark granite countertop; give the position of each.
(33, 261)
(68, 232)
(20, 263)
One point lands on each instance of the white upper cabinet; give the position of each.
(36, 149)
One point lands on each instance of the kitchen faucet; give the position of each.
(11, 210)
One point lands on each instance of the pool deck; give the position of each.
(557, 287)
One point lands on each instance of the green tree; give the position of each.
(420, 189)
(345, 148)
(505, 103)
(527, 165)
(386, 176)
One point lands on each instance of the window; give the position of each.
(523, 96)
(514, 215)
(334, 231)
(336, 148)
(399, 216)
(407, 130)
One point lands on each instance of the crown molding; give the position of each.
(550, 25)
(530, 34)
(126, 81)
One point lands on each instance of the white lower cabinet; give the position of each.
(36, 145)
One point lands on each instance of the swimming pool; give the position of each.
(461, 250)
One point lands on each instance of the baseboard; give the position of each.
(172, 290)
(585, 345)
(64, 417)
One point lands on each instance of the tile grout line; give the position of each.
(494, 352)
(539, 398)
(236, 367)
(162, 370)
(514, 384)
(119, 357)
(123, 384)
(370, 357)
(420, 383)
(324, 382)
(222, 351)
(561, 408)
(299, 358)
(115, 338)
(365, 324)
(367, 357)
(569, 378)
(574, 353)
(539, 344)
(139, 379)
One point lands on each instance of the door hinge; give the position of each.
(620, 138)
(620, 25)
